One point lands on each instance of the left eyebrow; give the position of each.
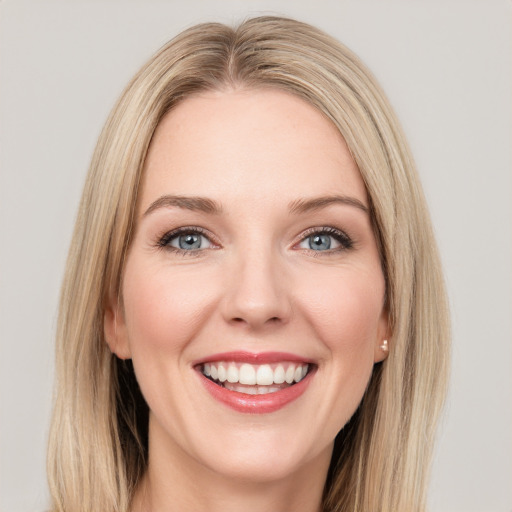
(316, 203)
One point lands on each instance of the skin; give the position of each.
(255, 285)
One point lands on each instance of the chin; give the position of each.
(262, 467)
(265, 454)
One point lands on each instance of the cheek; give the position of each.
(346, 311)
(345, 314)
(165, 307)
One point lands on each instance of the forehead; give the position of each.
(244, 143)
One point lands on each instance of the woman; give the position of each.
(253, 312)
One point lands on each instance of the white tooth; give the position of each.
(265, 390)
(232, 375)
(213, 372)
(264, 375)
(251, 390)
(247, 375)
(221, 372)
(279, 375)
(298, 374)
(230, 386)
(304, 370)
(290, 373)
(206, 369)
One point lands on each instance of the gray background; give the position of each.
(446, 66)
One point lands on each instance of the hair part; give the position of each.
(98, 440)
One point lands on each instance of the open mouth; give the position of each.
(255, 383)
(255, 379)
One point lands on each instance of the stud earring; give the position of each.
(384, 346)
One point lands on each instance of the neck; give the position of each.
(174, 481)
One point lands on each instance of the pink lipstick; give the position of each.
(255, 383)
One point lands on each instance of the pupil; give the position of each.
(320, 242)
(190, 241)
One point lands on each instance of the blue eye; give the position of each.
(326, 240)
(319, 242)
(185, 240)
(188, 241)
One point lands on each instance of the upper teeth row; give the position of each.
(249, 374)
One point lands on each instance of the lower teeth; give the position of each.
(252, 390)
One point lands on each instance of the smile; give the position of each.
(255, 379)
(255, 383)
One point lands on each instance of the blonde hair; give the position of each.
(381, 459)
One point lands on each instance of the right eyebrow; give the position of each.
(194, 203)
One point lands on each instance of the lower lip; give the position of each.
(256, 404)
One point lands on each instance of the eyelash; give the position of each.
(346, 243)
(164, 241)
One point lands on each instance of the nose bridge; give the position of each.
(256, 293)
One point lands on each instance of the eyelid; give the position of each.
(344, 240)
(162, 241)
(341, 237)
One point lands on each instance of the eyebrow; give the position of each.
(316, 203)
(199, 204)
(205, 205)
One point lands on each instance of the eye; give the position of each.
(185, 240)
(325, 240)
(188, 241)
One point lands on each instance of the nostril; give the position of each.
(240, 320)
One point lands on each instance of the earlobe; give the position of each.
(382, 343)
(115, 332)
(381, 351)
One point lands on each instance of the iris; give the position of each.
(319, 242)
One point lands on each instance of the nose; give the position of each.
(256, 293)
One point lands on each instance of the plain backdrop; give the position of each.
(446, 66)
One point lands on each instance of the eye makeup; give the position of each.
(192, 240)
(186, 241)
(325, 239)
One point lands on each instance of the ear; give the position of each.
(114, 329)
(381, 350)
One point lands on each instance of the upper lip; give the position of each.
(253, 357)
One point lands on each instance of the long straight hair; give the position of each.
(381, 458)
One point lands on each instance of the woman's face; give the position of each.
(253, 265)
